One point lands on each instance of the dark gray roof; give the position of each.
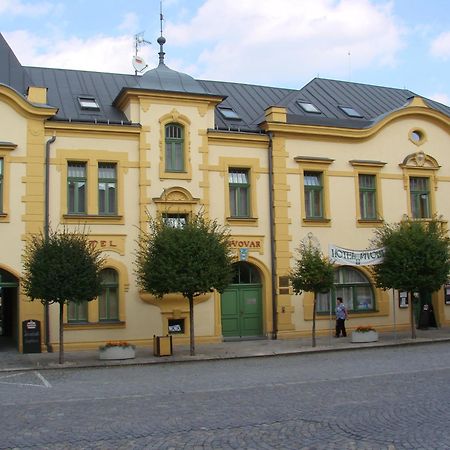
(162, 78)
(248, 101)
(12, 73)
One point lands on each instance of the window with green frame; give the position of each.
(174, 140)
(368, 196)
(420, 197)
(1, 185)
(76, 188)
(178, 220)
(77, 312)
(107, 188)
(355, 289)
(239, 187)
(313, 188)
(108, 302)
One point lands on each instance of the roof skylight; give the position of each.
(88, 103)
(351, 112)
(308, 107)
(229, 113)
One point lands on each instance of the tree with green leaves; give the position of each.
(313, 272)
(192, 259)
(62, 267)
(416, 258)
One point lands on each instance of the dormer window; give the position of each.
(308, 107)
(88, 103)
(351, 112)
(229, 113)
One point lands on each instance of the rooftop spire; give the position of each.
(161, 40)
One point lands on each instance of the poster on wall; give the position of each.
(403, 300)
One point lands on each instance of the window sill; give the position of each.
(370, 222)
(4, 217)
(245, 221)
(94, 325)
(317, 222)
(92, 218)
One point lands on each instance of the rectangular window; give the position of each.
(239, 187)
(175, 220)
(313, 195)
(77, 312)
(420, 197)
(1, 185)
(174, 148)
(108, 301)
(368, 197)
(76, 188)
(107, 188)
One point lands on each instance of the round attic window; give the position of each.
(417, 136)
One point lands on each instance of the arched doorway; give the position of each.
(241, 304)
(8, 308)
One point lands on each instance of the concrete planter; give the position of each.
(117, 352)
(366, 336)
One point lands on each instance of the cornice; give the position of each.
(23, 106)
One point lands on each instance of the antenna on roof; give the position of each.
(161, 40)
(138, 62)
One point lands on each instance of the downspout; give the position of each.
(273, 264)
(46, 233)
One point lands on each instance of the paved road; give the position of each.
(386, 398)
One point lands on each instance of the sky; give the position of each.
(283, 43)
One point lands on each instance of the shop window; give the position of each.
(108, 302)
(76, 187)
(176, 326)
(367, 197)
(174, 145)
(77, 312)
(313, 189)
(355, 289)
(420, 197)
(107, 188)
(239, 188)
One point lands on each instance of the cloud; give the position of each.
(130, 23)
(285, 41)
(97, 53)
(29, 9)
(440, 47)
(441, 98)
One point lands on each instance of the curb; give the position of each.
(97, 364)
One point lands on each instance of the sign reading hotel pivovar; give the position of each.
(349, 257)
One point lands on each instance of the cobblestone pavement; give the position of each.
(393, 398)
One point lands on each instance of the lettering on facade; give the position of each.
(255, 244)
(102, 244)
(348, 257)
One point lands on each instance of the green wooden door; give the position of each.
(242, 311)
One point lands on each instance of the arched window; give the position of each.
(174, 140)
(245, 273)
(108, 302)
(355, 289)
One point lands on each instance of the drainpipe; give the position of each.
(46, 233)
(273, 267)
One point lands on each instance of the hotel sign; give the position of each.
(347, 257)
(245, 244)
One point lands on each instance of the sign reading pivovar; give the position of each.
(349, 257)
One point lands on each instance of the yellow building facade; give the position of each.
(277, 166)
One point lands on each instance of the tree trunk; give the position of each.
(61, 332)
(191, 325)
(411, 306)
(314, 321)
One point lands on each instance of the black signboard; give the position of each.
(31, 333)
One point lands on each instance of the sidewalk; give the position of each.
(11, 360)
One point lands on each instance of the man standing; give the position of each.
(341, 315)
